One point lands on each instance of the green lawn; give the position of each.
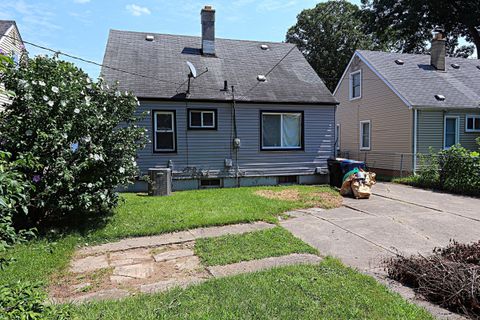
(140, 215)
(249, 246)
(325, 291)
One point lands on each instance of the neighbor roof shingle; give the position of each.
(4, 26)
(418, 82)
(238, 62)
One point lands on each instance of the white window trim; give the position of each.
(155, 131)
(281, 131)
(337, 136)
(457, 133)
(369, 135)
(202, 126)
(350, 85)
(474, 116)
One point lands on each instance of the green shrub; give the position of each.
(460, 170)
(81, 136)
(26, 301)
(13, 201)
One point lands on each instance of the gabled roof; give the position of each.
(417, 82)
(4, 26)
(238, 62)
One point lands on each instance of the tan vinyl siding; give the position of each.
(391, 121)
(430, 132)
(7, 44)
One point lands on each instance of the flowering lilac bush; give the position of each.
(81, 137)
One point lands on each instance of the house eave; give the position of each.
(323, 103)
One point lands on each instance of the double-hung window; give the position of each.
(365, 135)
(164, 131)
(202, 119)
(356, 85)
(281, 130)
(472, 123)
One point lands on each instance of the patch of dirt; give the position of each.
(325, 200)
(288, 194)
(70, 285)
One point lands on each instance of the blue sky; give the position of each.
(80, 27)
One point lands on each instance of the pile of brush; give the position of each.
(449, 277)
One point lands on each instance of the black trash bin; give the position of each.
(338, 167)
(335, 171)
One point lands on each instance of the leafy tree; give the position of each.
(76, 139)
(328, 35)
(412, 21)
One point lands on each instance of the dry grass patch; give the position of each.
(320, 197)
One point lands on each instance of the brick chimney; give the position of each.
(208, 31)
(438, 50)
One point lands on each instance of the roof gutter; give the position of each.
(333, 103)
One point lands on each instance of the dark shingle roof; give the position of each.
(5, 25)
(418, 82)
(238, 62)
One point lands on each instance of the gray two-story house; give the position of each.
(239, 113)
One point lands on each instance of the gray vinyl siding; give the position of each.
(430, 129)
(203, 152)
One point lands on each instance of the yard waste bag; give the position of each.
(358, 183)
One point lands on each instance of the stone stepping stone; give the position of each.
(173, 254)
(262, 264)
(89, 264)
(136, 256)
(169, 284)
(136, 271)
(110, 294)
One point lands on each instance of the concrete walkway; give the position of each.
(397, 219)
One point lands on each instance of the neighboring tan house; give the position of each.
(11, 44)
(276, 126)
(394, 106)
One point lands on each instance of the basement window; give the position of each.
(210, 183)
(287, 180)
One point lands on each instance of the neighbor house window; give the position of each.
(282, 130)
(202, 119)
(164, 131)
(450, 131)
(472, 123)
(365, 135)
(356, 84)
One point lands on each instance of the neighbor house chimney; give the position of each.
(208, 31)
(438, 50)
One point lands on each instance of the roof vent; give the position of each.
(440, 97)
(264, 47)
(478, 67)
(149, 37)
(399, 62)
(455, 66)
(261, 78)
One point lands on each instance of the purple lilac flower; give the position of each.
(1, 52)
(37, 178)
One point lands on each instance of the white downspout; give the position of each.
(415, 122)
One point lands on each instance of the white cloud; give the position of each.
(81, 1)
(137, 10)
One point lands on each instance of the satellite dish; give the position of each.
(193, 71)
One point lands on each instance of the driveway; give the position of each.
(396, 219)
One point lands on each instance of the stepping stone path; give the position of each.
(152, 264)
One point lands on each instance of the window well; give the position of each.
(287, 180)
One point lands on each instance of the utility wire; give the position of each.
(58, 52)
